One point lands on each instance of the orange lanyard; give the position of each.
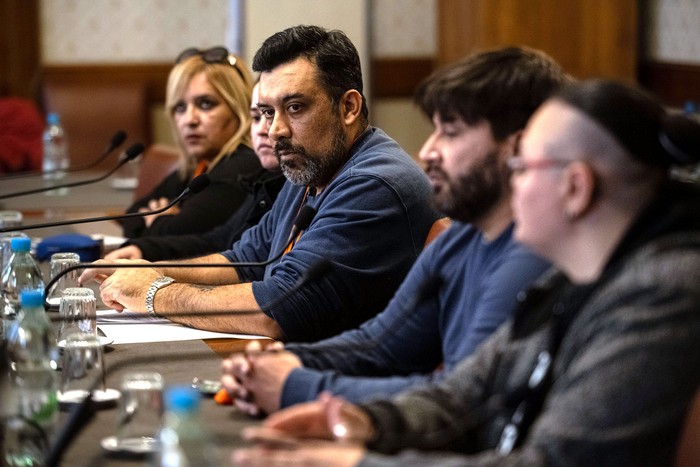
(294, 241)
(201, 168)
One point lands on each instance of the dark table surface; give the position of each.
(98, 199)
(178, 363)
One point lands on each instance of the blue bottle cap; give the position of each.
(180, 398)
(53, 118)
(20, 244)
(690, 107)
(31, 298)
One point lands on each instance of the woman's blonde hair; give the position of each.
(234, 83)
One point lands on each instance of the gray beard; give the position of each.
(316, 170)
(304, 175)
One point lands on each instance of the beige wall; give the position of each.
(133, 31)
(673, 32)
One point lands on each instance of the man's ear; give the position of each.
(580, 189)
(511, 145)
(350, 106)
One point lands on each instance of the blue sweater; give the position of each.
(458, 292)
(372, 221)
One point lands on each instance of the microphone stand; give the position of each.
(195, 186)
(130, 154)
(116, 141)
(301, 222)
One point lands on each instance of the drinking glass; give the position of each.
(82, 367)
(78, 312)
(59, 263)
(140, 412)
(10, 219)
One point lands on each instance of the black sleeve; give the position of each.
(169, 188)
(211, 207)
(188, 246)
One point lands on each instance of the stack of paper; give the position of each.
(128, 327)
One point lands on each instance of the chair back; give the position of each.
(438, 227)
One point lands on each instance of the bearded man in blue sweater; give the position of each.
(372, 203)
(464, 284)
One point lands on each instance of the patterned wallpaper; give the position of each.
(119, 31)
(405, 28)
(127, 31)
(674, 31)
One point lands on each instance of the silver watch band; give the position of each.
(156, 285)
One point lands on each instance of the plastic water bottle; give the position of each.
(32, 356)
(183, 439)
(56, 159)
(20, 273)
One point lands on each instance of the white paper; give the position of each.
(129, 327)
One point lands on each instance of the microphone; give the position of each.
(116, 141)
(196, 185)
(132, 153)
(301, 222)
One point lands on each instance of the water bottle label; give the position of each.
(40, 407)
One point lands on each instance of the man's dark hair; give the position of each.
(503, 87)
(333, 53)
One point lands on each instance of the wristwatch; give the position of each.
(157, 284)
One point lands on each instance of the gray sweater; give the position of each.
(622, 379)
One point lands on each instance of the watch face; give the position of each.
(164, 280)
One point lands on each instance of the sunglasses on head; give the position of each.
(213, 55)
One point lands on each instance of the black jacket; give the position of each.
(261, 194)
(199, 212)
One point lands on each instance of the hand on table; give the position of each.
(273, 448)
(328, 431)
(255, 379)
(122, 288)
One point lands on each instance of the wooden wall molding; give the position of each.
(95, 100)
(19, 47)
(673, 83)
(153, 77)
(398, 77)
(391, 77)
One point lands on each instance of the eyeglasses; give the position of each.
(213, 55)
(518, 165)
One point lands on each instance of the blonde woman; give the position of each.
(207, 105)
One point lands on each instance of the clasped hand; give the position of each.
(154, 205)
(255, 378)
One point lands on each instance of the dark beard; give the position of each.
(314, 169)
(471, 196)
